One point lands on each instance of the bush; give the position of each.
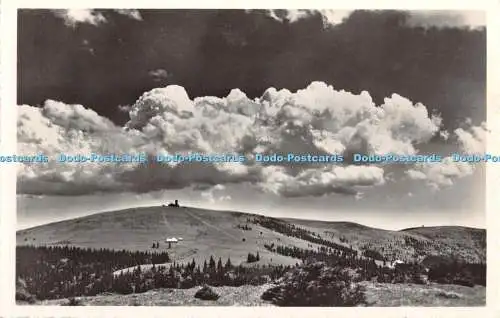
(448, 295)
(73, 302)
(25, 296)
(22, 293)
(316, 285)
(206, 293)
(464, 281)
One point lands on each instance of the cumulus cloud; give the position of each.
(330, 17)
(73, 17)
(212, 196)
(318, 182)
(420, 18)
(317, 119)
(447, 18)
(131, 13)
(72, 129)
(471, 141)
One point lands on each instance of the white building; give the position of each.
(396, 262)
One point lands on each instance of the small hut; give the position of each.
(170, 241)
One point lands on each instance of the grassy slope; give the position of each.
(229, 296)
(204, 233)
(433, 295)
(207, 232)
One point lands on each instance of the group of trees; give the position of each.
(450, 272)
(366, 268)
(190, 275)
(373, 254)
(453, 271)
(295, 231)
(62, 272)
(253, 258)
(156, 245)
(244, 227)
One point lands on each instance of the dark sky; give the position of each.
(209, 52)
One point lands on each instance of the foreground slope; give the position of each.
(378, 295)
(208, 232)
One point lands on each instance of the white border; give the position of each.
(8, 29)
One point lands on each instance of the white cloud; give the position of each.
(330, 17)
(427, 18)
(133, 14)
(474, 140)
(317, 119)
(212, 197)
(318, 182)
(447, 18)
(334, 17)
(443, 174)
(444, 134)
(73, 17)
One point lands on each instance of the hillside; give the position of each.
(204, 233)
(208, 232)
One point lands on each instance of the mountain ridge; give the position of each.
(206, 232)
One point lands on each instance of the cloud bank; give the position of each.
(436, 18)
(317, 119)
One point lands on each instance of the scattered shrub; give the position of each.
(73, 302)
(316, 285)
(448, 295)
(206, 293)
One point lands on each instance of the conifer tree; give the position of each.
(211, 263)
(228, 264)
(219, 266)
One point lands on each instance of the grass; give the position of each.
(378, 295)
(432, 295)
(229, 296)
(204, 233)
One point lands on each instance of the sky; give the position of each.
(246, 81)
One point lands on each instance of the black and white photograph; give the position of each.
(251, 157)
